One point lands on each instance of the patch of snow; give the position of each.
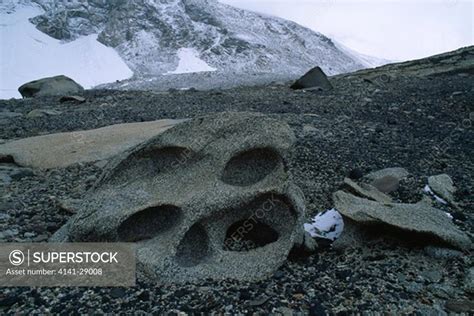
(189, 62)
(328, 225)
(28, 54)
(428, 190)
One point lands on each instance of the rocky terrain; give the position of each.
(368, 121)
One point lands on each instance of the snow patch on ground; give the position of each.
(189, 61)
(428, 190)
(328, 225)
(28, 54)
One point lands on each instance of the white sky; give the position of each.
(395, 30)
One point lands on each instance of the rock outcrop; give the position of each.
(315, 78)
(209, 198)
(57, 85)
(420, 218)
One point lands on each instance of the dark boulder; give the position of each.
(57, 85)
(315, 78)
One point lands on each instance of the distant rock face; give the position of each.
(208, 198)
(149, 34)
(315, 78)
(58, 85)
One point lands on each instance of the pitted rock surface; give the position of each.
(208, 198)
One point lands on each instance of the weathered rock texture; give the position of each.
(442, 185)
(419, 218)
(58, 85)
(65, 149)
(209, 198)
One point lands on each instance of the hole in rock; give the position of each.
(168, 158)
(149, 222)
(246, 235)
(250, 167)
(149, 162)
(194, 247)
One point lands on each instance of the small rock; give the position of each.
(460, 306)
(117, 292)
(367, 191)
(8, 114)
(386, 184)
(69, 205)
(443, 186)
(72, 98)
(309, 244)
(309, 129)
(414, 287)
(8, 233)
(432, 276)
(42, 113)
(455, 93)
(259, 301)
(396, 172)
(285, 311)
(442, 253)
(101, 163)
(469, 281)
(29, 235)
(442, 290)
(14, 173)
(4, 217)
(42, 237)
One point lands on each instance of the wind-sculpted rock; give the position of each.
(208, 198)
(58, 85)
(429, 223)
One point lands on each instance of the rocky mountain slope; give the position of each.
(150, 35)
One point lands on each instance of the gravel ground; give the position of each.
(421, 124)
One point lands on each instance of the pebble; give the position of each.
(4, 217)
(8, 233)
(29, 235)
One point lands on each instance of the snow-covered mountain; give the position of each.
(162, 37)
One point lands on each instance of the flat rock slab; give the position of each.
(416, 218)
(367, 191)
(65, 149)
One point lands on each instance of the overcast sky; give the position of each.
(395, 30)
